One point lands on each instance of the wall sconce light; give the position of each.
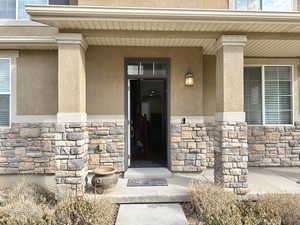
(189, 79)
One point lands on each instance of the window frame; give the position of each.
(294, 7)
(17, 12)
(263, 93)
(8, 93)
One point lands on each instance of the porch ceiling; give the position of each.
(270, 34)
(254, 48)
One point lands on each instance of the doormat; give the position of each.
(147, 182)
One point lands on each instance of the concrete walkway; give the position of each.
(151, 214)
(261, 180)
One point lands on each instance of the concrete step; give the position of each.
(151, 214)
(177, 191)
(147, 173)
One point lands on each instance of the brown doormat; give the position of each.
(146, 182)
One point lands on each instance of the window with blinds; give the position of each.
(5, 68)
(7, 9)
(253, 95)
(268, 93)
(22, 4)
(16, 9)
(265, 5)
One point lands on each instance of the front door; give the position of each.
(147, 112)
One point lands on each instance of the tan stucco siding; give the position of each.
(37, 82)
(204, 4)
(105, 78)
(71, 79)
(28, 31)
(209, 85)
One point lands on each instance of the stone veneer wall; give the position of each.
(28, 148)
(274, 146)
(231, 154)
(106, 146)
(189, 145)
(71, 158)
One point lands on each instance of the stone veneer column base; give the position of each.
(71, 159)
(231, 156)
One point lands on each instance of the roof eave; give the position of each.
(38, 12)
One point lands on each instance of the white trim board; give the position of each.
(106, 118)
(230, 116)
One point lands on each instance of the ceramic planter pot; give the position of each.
(105, 178)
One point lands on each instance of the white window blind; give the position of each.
(265, 5)
(268, 93)
(278, 94)
(7, 9)
(5, 71)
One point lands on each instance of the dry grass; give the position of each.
(79, 211)
(212, 205)
(284, 207)
(29, 204)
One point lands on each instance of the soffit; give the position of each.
(254, 48)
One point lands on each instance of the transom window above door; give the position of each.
(147, 67)
(264, 5)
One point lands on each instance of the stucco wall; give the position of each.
(105, 78)
(205, 4)
(37, 82)
(209, 85)
(27, 30)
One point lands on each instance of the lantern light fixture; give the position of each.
(189, 79)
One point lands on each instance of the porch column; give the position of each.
(72, 144)
(71, 78)
(231, 151)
